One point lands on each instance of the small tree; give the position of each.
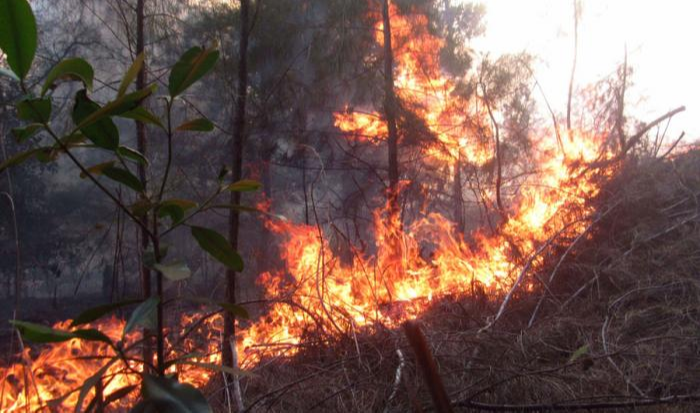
(157, 215)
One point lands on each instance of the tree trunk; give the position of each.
(390, 113)
(141, 80)
(458, 198)
(237, 172)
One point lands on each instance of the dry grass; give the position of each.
(620, 322)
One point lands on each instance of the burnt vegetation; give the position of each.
(331, 205)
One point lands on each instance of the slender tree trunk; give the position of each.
(390, 113)
(458, 198)
(239, 121)
(141, 80)
(573, 69)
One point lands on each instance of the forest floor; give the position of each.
(618, 328)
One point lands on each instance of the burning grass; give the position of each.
(618, 325)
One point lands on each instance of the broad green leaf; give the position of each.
(97, 169)
(175, 209)
(218, 247)
(24, 133)
(143, 315)
(131, 74)
(133, 155)
(245, 185)
(91, 334)
(197, 125)
(580, 352)
(103, 132)
(192, 66)
(20, 158)
(8, 73)
(142, 114)
(71, 69)
(38, 333)
(182, 203)
(95, 313)
(18, 35)
(175, 213)
(34, 110)
(168, 395)
(174, 272)
(141, 207)
(123, 177)
(117, 107)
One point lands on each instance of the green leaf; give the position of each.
(18, 35)
(245, 185)
(131, 74)
(8, 73)
(143, 315)
(580, 352)
(192, 66)
(97, 169)
(218, 247)
(95, 313)
(91, 334)
(20, 158)
(174, 272)
(38, 333)
(22, 134)
(141, 207)
(103, 132)
(197, 125)
(71, 69)
(133, 155)
(142, 114)
(34, 110)
(168, 395)
(175, 209)
(118, 106)
(123, 177)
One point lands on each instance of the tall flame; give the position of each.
(318, 294)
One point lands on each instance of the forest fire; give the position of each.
(318, 292)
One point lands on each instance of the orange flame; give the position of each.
(318, 294)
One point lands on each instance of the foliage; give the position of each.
(94, 129)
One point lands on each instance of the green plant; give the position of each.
(94, 129)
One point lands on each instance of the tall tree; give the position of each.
(239, 121)
(390, 114)
(141, 80)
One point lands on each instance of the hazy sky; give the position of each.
(662, 39)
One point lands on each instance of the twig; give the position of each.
(397, 380)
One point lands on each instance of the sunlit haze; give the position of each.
(658, 36)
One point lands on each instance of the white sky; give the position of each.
(662, 39)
